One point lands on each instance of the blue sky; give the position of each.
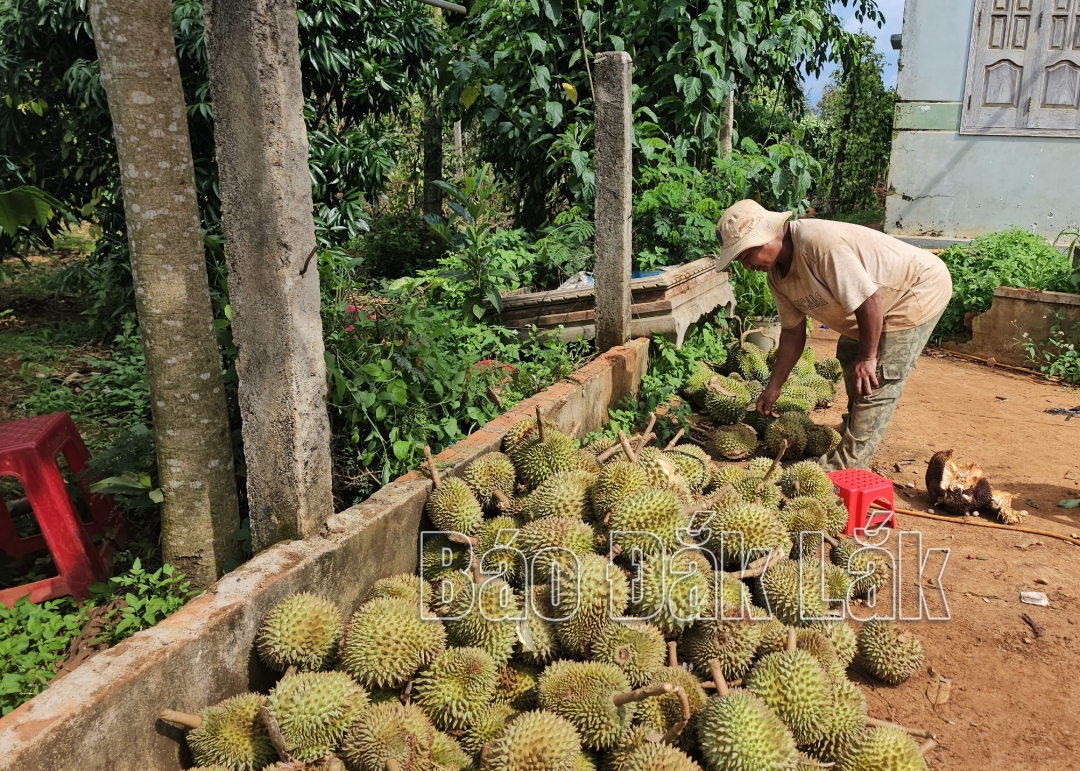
(894, 18)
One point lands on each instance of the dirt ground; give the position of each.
(1014, 695)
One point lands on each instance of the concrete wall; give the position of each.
(942, 183)
(103, 716)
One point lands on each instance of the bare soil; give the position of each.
(1015, 697)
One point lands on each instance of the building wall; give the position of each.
(942, 183)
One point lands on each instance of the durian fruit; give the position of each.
(836, 515)
(537, 539)
(662, 712)
(599, 445)
(867, 566)
(543, 454)
(445, 591)
(760, 528)
(881, 749)
(797, 690)
(404, 586)
(586, 761)
(565, 494)
(793, 591)
(748, 360)
(618, 479)
(726, 475)
(732, 643)
(631, 741)
(451, 506)
(842, 636)
(817, 644)
(755, 388)
(837, 584)
(774, 636)
(593, 593)
(821, 440)
(764, 468)
(229, 735)
(887, 653)
(387, 731)
(456, 687)
(806, 479)
(757, 490)
(957, 487)
(486, 727)
(301, 631)
(499, 548)
(758, 421)
(521, 430)
(535, 741)
(489, 473)
(485, 616)
(692, 463)
(516, 685)
(726, 400)
(733, 442)
(536, 635)
(672, 591)
(788, 426)
(829, 368)
(441, 558)
(846, 724)
(314, 710)
(587, 462)
(387, 643)
(635, 647)
(738, 732)
(693, 387)
(658, 468)
(649, 521)
(448, 755)
(822, 389)
(804, 518)
(594, 697)
(795, 398)
(658, 756)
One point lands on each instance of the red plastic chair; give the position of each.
(28, 450)
(860, 490)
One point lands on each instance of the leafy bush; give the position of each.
(1057, 356)
(147, 599)
(34, 638)
(752, 295)
(1013, 258)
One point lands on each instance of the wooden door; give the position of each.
(999, 65)
(1055, 81)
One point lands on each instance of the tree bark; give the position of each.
(137, 55)
(433, 155)
(253, 51)
(727, 128)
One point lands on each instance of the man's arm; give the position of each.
(870, 320)
(790, 348)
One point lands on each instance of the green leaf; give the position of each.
(156, 495)
(554, 113)
(469, 95)
(402, 449)
(553, 10)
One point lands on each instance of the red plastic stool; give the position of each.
(28, 450)
(860, 490)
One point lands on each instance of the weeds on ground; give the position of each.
(1057, 355)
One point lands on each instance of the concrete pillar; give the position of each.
(614, 199)
(266, 213)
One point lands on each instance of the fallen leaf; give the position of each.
(938, 691)
(1071, 474)
(1002, 398)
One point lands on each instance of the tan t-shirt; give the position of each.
(836, 266)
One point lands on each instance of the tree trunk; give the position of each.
(727, 128)
(459, 151)
(433, 155)
(139, 70)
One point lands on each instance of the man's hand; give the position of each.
(768, 398)
(865, 372)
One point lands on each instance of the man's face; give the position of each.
(762, 257)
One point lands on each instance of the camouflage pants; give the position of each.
(868, 416)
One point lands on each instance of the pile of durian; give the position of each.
(728, 390)
(627, 667)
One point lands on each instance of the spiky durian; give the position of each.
(836, 514)
(661, 712)
(593, 593)
(758, 421)
(387, 643)
(817, 644)
(314, 710)
(757, 490)
(445, 591)
(536, 635)
(486, 727)
(694, 386)
(448, 755)
(734, 442)
(649, 521)
(788, 426)
(793, 591)
(867, 566)
(598, 445)
(734, 643)
(301, 631)
(566, 494)
(847, 721)
(658, 468)
(773, 638)
(405, 586)
(738, 732)
(538, 539)
(726, 400)
(232, 735)
(887, 653)
(456, 687)
(489, 473)
(635, 647)
(658, 756)
(748, 360)
(806, 478)
(386, 731)
(829, 368)
(804, 518)
(587, 462)
(542, 455)
(618, 479)
(498, 546)
(672, 591)
(743, 532)
(451, 506)
(795, 398)
(587, 695)
(726, 475)
(797, 689)
(692, 463)
(516, 684)
(763, 468)
(521, 430)
(485, 617)
(630, 742)
(441, 558)
(821, 388)
(755, 388)
(842, 636)
(881, 749)
(821, 440)
(535, 741)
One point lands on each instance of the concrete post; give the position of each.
(266, 213)
(614, 197)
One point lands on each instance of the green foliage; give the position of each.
(34, 639)
(1072, 248)
(1057, 355)
(752, 295)
(1013, 258)
(147, 599)
(25, 215)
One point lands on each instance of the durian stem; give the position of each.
(540, 430)
(477, 574)
(830, 540)
(647, 435)
(718, 677)
(464, 540)
(674, 441)
(926, 746)
(677, 727)
(711, 686)
(772, 468)
(274, 731)
(435, 480)
(334, 764)
(289, 671)
(501, 501)
(792, 640)
(484, 752)
(406, 695)
(185, 719)
(759, 566)
(392, 764)
(626, 448)
(608, 453)
(672, 654)
(640, 694)
(922, 733)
